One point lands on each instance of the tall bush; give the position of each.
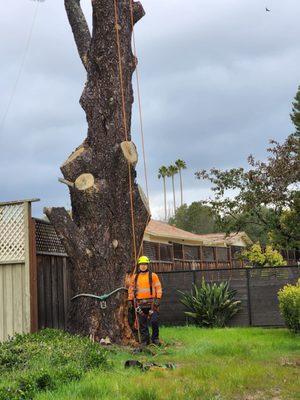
(289, 304)
(211, 305)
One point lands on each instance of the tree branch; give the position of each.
(138, 11)
(67, 231)
(79, 27)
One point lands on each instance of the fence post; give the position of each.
(249, 296)
(194, 277)
(33, 276)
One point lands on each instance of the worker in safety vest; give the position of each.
(144, 294)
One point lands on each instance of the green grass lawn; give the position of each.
(235, 363)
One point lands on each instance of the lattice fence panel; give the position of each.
(12, 233)
(47, 241)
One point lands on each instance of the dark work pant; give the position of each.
(145, 321)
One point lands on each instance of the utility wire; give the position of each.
(14, 89)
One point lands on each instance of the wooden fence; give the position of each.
(18, 296)
(53, 282)
(257, 289)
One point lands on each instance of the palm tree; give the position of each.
(180, 164)
(172, 171)
(163, 173)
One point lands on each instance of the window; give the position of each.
(150, 250)
(222, 254)
(208, 253)
(178, 251)
(236, 251)
(165, 252)
(191, 252)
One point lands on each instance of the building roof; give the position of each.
(230, 239)
(161, 229)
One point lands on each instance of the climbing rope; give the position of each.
(124, 118)
(140, 118)
(139, 100)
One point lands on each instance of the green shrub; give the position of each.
(94, 358)
(211, 305)
(289, 304)
(11, 355)
(42, 361)
(70, 373)
(267, 258)
(44, 381)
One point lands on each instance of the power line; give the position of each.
(14, 89)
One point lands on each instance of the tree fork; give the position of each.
(98, 237)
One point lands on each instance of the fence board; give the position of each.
(9, 294)
(2, 324)
(12, 300)
(17, 299)
(54, 294)
(41, 293)
(65, 290)
(60, 294)
(53, 291)
(48, 292)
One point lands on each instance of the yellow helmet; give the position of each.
(143, 260)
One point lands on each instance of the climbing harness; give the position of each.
(102, 298)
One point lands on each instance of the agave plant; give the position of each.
(211, 305)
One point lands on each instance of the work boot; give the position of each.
(144, 344)
(156, 342)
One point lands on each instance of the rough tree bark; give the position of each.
(98, 238)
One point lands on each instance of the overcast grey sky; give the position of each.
(217, 81)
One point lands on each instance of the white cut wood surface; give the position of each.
(130, 152)
(84, 182)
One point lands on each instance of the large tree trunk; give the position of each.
(165, 197)
(99, 173)
(181, 187)
(174, 200)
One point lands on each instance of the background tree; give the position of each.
(104, 234)
(180, 164)
(273, 184)
(295, 116)
(196, 218)
(251, 224)
(163, 173)
(172, 171)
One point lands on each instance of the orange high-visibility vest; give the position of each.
(142, 288)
